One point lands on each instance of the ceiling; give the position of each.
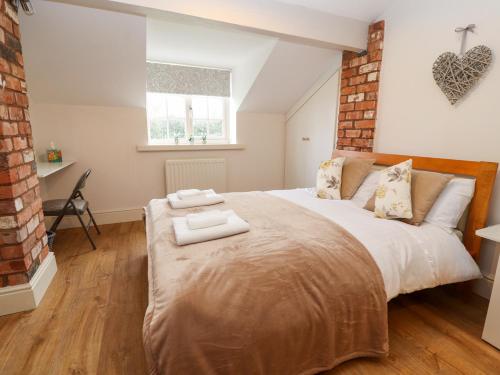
(200, 44)
(364, 10)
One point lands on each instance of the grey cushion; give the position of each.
(54, 207)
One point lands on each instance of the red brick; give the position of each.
(12, 252)
(341, 116)
(4, 65)
(352, 133)
(340, 133)
(17, 279)
(357, 80)
(44, 253)
(357, 61)
(344, 83)
(367, 87)
(4, 112)
(379, 25)
(358, 142)
(40, 231)
(8, 128)
(358, 115)
(348, 73)
(32, 181)
(371, 96)
(16, 113)
(375, 56)
(6, 145)
(346, 107)
(20, 143)
(343, 99)
(7, 97)
(6, 23)
(19, 59)
(7, 206)
(17, 71)
(22, 100)
(13, 266)
(24, 171)
(367, 134)
(344, 141)
(13, 83)
(8, 176)
(364, 124)
(348, 90)
(367, 104)
(345, 124)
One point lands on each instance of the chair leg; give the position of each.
(93, 221)
(56, 223)
(86, 231)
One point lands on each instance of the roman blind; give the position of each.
(187, 80)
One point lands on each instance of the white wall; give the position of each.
(314, 119)
(124, 180)
(414, 116)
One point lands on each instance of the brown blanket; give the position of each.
(297, 294)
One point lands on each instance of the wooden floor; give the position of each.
(90, 320)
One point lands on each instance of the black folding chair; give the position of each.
(75, 205)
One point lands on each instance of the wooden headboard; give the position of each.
(483, 172)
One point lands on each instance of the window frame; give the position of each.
(224, 139)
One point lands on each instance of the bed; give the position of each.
(306, 288)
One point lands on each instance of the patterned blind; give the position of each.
(188, 80)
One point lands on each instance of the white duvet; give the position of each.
(410, 258)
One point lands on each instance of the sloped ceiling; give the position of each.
(288, 73)
(84, 56)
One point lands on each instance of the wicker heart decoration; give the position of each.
(456, 75)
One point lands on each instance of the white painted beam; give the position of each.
(287, 21)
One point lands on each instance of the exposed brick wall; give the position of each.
(23, 243)
(359, 94)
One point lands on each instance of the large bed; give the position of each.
(306, 288)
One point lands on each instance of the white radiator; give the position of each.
(195, 174)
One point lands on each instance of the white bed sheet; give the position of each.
(410, 258)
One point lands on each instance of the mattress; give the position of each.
(410, 258)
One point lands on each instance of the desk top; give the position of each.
(491, 233)
(44, 169)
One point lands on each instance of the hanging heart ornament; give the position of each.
(456, 75)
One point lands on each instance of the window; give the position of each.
(172, 116)
(184, 102)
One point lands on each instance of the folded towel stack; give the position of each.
(208, 226)
(193, 198)
(207, 219)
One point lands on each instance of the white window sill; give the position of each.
(202, 147)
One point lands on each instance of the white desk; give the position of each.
(491, 332)
(44, 169)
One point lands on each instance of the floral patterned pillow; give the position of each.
(329, 178)
(393, 195)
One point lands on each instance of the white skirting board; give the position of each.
(101, 217)
(27, 296)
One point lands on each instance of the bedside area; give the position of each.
(491, 332)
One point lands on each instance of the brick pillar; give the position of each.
(359, 94)
(23, 243)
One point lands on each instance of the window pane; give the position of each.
(215, 128)
(199, 104)
(200, 128)
(156, 105)
(177, 128)
(176, 106)
(215, 108)
(158, 129)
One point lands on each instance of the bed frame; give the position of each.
(483, 172)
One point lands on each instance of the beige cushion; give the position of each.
(425, 189)
(329, 178)
(354, 173)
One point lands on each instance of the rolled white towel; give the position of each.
(207, 219)
(203, 200)
(185, 236)
(191, 193)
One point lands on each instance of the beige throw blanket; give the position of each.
(296, 295)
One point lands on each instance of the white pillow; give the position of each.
(451, 203)
(393, 195)
(329, 178)
(366, 190)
